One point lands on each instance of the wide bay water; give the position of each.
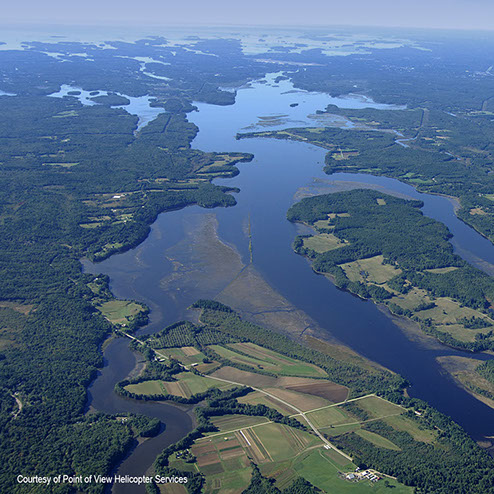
(268, 185)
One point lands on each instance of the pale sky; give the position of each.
(446, 14)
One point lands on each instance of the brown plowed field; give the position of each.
(176, 388)
(247, 378)
(208, 459)
(189, 351)
(233, 453)
(255, 447)
(262, 381)
(300, 401)
(324, 389)
(203, 449)
(230, 443)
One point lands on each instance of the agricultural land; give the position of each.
(272, 411)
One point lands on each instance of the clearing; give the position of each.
(371, 270)
(323, 242)
(120, 312)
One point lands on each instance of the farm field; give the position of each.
(301, 401)
(377, 440)
(186, 385)
(405, 424)
(225, 458)
(259, 357)
(378, 407)
(323, 242)
(172, 489)
(447, 314)
(186, 355)
(147, 388)
(261, 380)
(283, 452)
(412, 299)
(257, 398)
(330, 416)
(224, 455)
(234, 422)
(189, 384)
(321, 470)
(371, 270)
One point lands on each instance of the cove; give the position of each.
(139, 105)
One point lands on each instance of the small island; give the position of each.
(111, 99)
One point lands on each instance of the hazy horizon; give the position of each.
(435, 14)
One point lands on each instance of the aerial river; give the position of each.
(268, 185)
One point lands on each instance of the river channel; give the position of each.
(268, 185)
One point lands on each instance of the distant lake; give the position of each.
(139, 106)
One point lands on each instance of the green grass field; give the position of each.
(445, 315)
(186, 385)
(192, 384)
(119, 311)
(449, 269)
(287, 365)
(378, 407)
(229, 482)
(412, 299)
(459, 332)
(282, 442)
(320, 469)
(330, 416)
(241, 359)
(377, 440)
(185, 355)
(234, 422)
(338, 430)
(449, 311)
(262, 358)
(405, 424)
(323, 224)
(323, 242)
(147, 388)
(257, 398)
(370, 270)
(90, 225)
